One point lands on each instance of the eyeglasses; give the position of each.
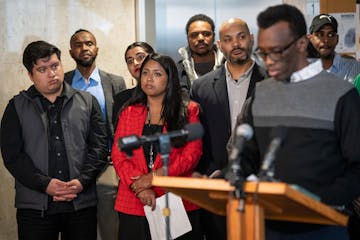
(139, 58)
(206, 34)
(274, 55)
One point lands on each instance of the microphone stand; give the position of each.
(236, 179)
(164, 149)
(267, 175)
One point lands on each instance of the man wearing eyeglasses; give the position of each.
(324, 38)
(201, 55)
(221, 94)
(104, 86)
(321, 114)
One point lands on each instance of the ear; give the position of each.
(70, 52)
(252, 39)
(218, 43)
(309, 36)
(31, 76)
(303, 43)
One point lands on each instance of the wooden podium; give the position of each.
(264, 200)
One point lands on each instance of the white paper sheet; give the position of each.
(179, 221)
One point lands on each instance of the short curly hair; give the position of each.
(200, 17)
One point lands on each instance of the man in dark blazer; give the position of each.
(221, 94)
(104, 86)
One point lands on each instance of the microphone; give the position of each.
(234, 175)
(243, 133)
(191, 132)
(277, 134)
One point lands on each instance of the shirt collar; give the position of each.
(95, 75)
(335, 67)
(33, 92)
(307, 72)
(245, 75)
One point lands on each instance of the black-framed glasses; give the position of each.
(274, 55)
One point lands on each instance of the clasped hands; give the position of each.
(64, 191)
(142, 189)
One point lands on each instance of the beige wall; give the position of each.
(23, 21)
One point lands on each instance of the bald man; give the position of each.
(221, 94)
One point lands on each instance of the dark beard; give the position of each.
(244, 60)
(202, 53)
(241, 61)
(84, 63)
(329, 56)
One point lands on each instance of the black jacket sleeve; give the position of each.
(97, 147)
(19, 164)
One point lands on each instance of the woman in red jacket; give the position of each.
(156, 107)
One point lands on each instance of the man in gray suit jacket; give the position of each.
(104, 86)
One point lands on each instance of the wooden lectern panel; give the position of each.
(211, 195)
(282, 202)
(279, 200)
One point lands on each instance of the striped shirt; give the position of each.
(345, 68)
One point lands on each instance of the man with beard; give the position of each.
(324, 38)
(221, 94)
(104, 86)
(201, 55)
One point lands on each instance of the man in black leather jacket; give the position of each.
(54, 143)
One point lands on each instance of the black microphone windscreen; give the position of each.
(195, 131)
(129, 143)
